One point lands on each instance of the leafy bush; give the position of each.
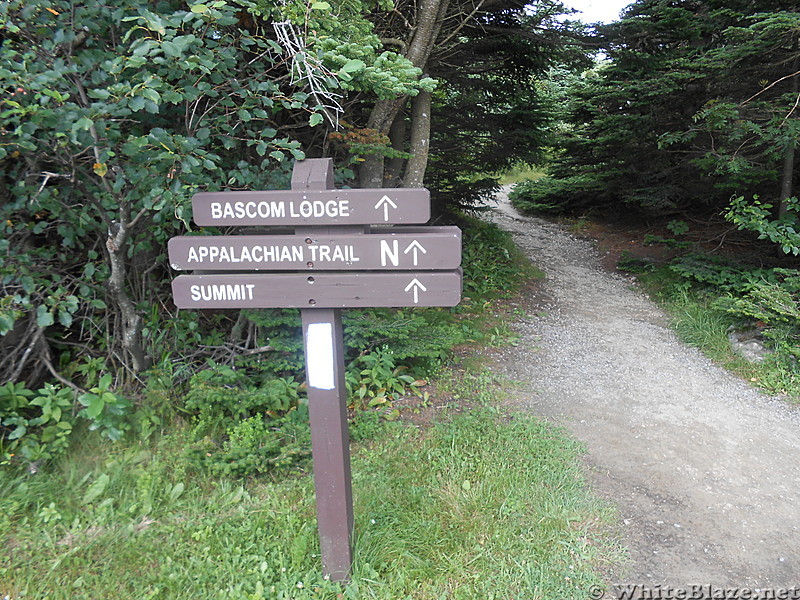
(719, 274)
(36, 425)
(221, 396)
(255, 446)
(759, 217)
(374, 379)
(491, 261)
(105, 409)
(765, 299)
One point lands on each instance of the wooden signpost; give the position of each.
(332, 261)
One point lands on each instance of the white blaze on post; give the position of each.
(319, 342)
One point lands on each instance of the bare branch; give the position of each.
(771, 85)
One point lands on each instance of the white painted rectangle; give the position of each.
(319, 353)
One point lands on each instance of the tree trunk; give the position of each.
(420, 140)
(370, 173)
(394, 166)
(430, 15)
(131, 325)
(787, 179)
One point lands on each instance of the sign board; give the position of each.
(328, 264)
(432, 248)
(313, 207)
(318, 290)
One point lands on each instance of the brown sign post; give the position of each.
(331, 262)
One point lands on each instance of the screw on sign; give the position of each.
(331, 262)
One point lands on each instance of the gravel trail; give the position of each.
(704, 470)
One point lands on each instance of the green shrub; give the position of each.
(36, 426)
(255, 446)
(374, 379)
(221, 396)
(758, 217)
(547, 195)
(491, 261)
(711, 295)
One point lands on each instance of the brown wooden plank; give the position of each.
(318, 290)
(312, 207)
(437, 249)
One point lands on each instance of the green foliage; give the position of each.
(718, 273)
(492, 110)
(114, 116)
(374, 380)
(119, 114)
(221, 396)
(412, 337)
(631, 263)
(366, 425)
(711, 296)
(255, 446)
(547, 195)
(491, 261)
(692, 102)
(678, 227)
(245, 423)
(106, 410)
(37, 424)
(760, 218)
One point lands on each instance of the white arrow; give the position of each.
(416, 286)
(416, 247)
(385, 202)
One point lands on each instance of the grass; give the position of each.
(480, 505)
(698, 323)
(521, 172)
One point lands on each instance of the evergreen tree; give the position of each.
(693, 103)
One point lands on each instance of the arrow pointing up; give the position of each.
(416, 286)
(416, 247)
(385, 202)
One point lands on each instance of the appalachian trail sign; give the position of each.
(347, 251)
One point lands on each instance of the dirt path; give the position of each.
(705, 471)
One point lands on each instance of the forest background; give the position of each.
(682, 118)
